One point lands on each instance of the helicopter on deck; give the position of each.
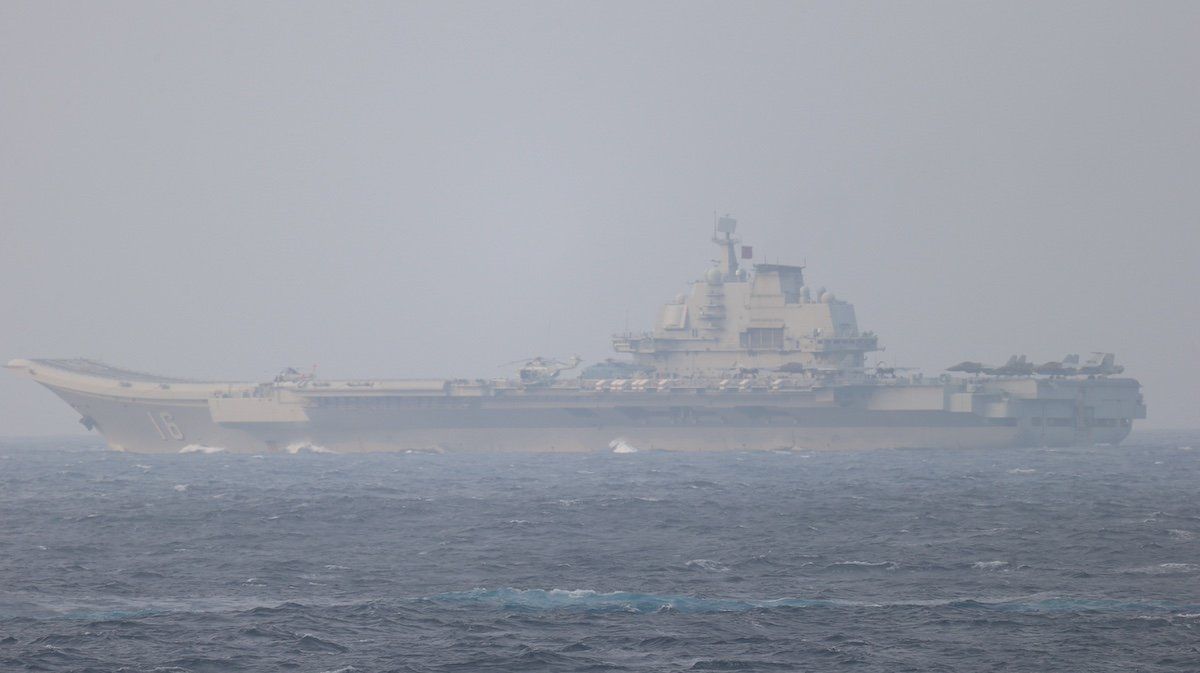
(538, 370)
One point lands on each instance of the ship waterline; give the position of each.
(752, 358)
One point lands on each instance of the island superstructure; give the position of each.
(738, 321)
(752, 358)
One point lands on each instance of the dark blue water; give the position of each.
(1016, 560)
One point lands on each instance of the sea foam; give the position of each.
(622, 446)
(201, 448)
(307, 447)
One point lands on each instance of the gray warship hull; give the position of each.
(144, 413)
(750, 359)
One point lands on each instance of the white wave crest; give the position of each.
(307, 447)
(619, 445)
(628, 601)
(1022, 470)
(1166, 569)
(201, 448)
(989, 565)
(863, 564)
(707, 564)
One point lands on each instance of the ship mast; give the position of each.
(727, 225)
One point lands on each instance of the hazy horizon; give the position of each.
(223, 190)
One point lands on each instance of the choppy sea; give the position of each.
(897, 560)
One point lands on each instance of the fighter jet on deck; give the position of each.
(1017, 365)
(1101, 364)
(1068, 366)
(969, 367)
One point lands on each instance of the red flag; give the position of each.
(747, 252)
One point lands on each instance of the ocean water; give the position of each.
(916, 560)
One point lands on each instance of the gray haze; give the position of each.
(220, 190)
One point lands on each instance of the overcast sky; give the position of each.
(401, 189)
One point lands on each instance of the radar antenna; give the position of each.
(727, 225)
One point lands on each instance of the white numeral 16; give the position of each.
(168, 422)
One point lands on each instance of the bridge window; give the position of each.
(762, 337)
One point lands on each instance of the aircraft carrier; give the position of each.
(752, 358)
